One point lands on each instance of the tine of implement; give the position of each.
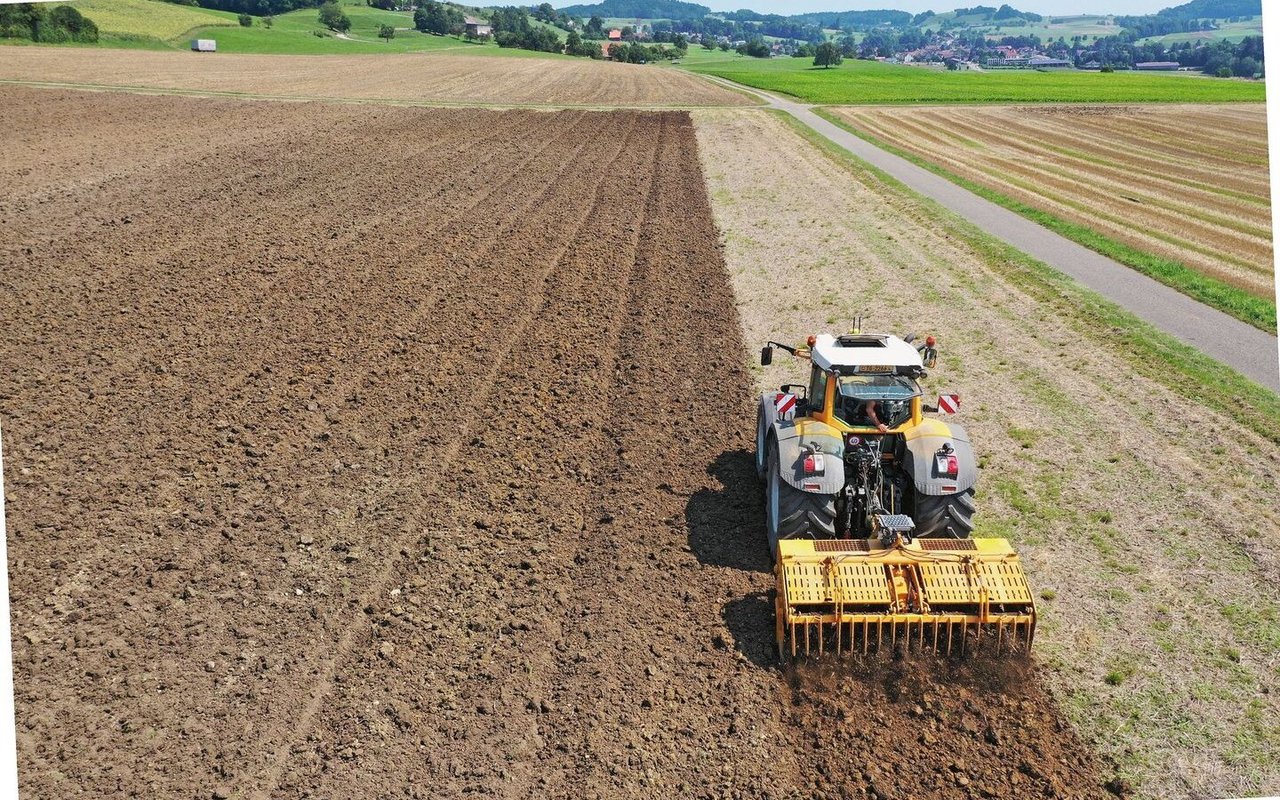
(793, 640)
(820, 637)
(866, 635)
(935, 636)
(839, 630)
(949, 626)
(999, 635)
(879, 633)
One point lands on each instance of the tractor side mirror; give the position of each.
(929, 357)
(766, 356)
(801, 392)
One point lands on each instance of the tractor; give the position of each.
(869, 507)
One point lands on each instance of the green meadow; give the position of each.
(866, 82)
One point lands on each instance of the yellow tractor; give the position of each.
(869, 510)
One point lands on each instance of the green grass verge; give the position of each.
(871, 82)
(155, 25)
(1150, 352)
(1259, 312)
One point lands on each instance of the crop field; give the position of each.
(300, 33)
(307, 501)
(147, 19)
(411, 78)
(1187, 183)
(1051, 27)
(1146, 518)
(869, 82)
(1225, 32)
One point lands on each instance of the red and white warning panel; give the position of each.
(785, 404)
(948, 403)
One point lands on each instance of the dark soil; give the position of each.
(370, 452)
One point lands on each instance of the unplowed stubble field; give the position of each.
(410, 79)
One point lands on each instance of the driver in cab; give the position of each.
(870, 408)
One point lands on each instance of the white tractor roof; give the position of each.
(863, 349)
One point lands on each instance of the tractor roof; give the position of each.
(863, 349)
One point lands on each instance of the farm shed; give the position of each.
(477, 27)
(204, 45)
(1157, 65)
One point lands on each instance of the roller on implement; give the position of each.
(869, 508)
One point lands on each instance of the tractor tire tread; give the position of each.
(948, 516)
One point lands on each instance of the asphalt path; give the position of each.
(1251, 352)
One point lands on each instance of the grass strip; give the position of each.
(1152, 353)
(1257, 311)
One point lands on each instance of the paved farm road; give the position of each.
(1241, 346)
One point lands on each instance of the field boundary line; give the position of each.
(402, 103)
(1245, 348)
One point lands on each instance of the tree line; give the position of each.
(38, 22)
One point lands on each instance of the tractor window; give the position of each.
(892, 394)
(817, 390)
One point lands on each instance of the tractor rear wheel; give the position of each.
(948, 516)
(791, 513)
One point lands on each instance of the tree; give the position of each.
(575, 45)
(246, 21)
(385, 5)
(268, 21)
(80, 28)
(827, 55)
(594, 28)
(331, 17)
(438, 18)
(387, 32)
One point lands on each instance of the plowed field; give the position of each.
(410, 78)
(363, 452)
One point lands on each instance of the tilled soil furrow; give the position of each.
(230, 401)
(542, 233)
(497, 493)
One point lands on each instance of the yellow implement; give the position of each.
(844, 595)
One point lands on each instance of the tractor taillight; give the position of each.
(948, 466)
(814, 464)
